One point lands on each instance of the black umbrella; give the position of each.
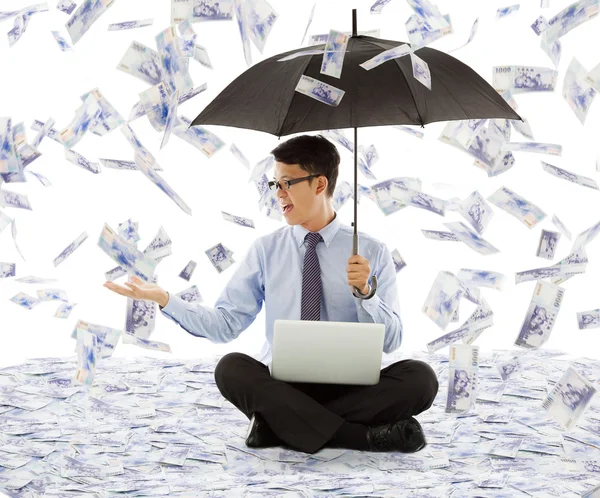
(263, 98)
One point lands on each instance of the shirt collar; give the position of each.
(327, 232)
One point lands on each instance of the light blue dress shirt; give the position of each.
(272, 273)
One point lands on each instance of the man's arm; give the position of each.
(235, 309)
(384, 306)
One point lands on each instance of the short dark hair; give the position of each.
(315, 154)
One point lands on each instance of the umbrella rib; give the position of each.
(396, 60)
(309, 59)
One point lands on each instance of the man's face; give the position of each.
(305, 198)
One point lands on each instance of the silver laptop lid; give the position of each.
(327, 352)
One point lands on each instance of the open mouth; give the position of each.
(288, 208)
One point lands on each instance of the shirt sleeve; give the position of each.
(384, 306)
(235, 309)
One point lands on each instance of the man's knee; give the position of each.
(425, 380)
(228, 365)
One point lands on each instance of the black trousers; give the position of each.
(307, 415)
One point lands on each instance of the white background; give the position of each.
(38, 81)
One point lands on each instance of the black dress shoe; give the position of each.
(405, 436)
(260, 434)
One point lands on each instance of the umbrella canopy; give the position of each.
(263, 98)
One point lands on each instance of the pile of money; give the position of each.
(503, 423)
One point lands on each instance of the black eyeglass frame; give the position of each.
(290, 182)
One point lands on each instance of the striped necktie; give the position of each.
(310, 308)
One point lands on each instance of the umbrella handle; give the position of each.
(370, 294)
(355, 290)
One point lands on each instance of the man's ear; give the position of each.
(322, 180)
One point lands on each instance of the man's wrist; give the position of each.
(164, 299)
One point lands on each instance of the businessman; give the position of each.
(304, 271)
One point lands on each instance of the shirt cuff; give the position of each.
(175, 306)
(372, 304)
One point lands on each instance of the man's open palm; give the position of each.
(137, 289)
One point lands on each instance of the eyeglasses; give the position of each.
(286, 184)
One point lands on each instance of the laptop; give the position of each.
(327, 352)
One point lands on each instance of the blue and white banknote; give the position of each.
(106, 337)
(238, 220)
(563, 174)
(403, 194)
(588, 319)
(129, 230)
(420, 70)
(119, 26)
(506, 11)
(41, 133)
(386, 55)
(576, 91)
(201, 55)
(541, 315)
(171, 118)
(439, 235)
(129, 338)
(109, 118)
(239, 155)
(7, 270)
(66, 6)
(524, 79)
(471, 329)
(420, 35)
(569, 18)
(384, 192)
(146, 168)
(174, 64)
(547, 246)
(509, 368)
(77, 159)
(398, 260)
(187, 42)
(259, 16)
(220, 257)
(25, 300)
(319, 90)
(443, 297)
(70, 249)
(261, 168)
(574, 264)
(140, 316)
(187, 272)
(88, 12)
(127, 255)
(142, 62)
(191, 294)
(519, 207)
(205, 141)
(463, 370)
(243, 26)
(561, 227)
(429, 12)
(87, 344)
(52, 295)
(14, 200)
(64, 310)
(8, 156)
(85, 116)
(470, 237)
(569, 398)
(586, 236)
(481, 278)
(476, 211)
(539, 148)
